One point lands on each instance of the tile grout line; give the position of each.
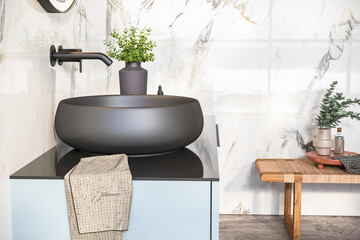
(270, 45)
(348, 75)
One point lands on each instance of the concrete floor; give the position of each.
(236, 227)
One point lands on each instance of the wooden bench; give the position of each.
(296, 172)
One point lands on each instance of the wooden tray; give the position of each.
(326, 159)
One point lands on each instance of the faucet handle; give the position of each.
(61, 49)
(67, 50)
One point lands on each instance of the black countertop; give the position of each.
(196, 162)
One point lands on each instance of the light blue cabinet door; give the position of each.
(39, 210)
(170, 210)
(215, 210)
(161, 210)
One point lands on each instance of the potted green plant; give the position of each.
(332, 110)
(133, 47)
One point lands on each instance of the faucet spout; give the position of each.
(78, 56)
(75, 55)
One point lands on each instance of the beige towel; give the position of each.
(98, 194)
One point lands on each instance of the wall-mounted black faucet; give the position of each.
(75, 55)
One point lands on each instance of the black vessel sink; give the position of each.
(134, 125)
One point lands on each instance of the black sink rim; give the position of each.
(74, 101)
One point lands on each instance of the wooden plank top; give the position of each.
(302, 170)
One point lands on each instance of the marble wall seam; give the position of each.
(2, 18)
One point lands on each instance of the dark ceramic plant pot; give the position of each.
(133, 79)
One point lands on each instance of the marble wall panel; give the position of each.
(260, 66)
(354, 69)
(294, 67)
(311, 20)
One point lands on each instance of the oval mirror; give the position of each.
(57, 6)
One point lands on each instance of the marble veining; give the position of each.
(173, 22)
(242, 9)
(339, 34)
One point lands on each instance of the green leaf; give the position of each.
(132, 45)
(332, 108)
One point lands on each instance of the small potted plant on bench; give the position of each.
(332, 110)
(133, 47)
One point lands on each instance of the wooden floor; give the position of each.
(235, 227)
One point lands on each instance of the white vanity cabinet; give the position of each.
(161, 210)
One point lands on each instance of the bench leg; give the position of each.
(287, 200)
(293, 224)
(297, 209)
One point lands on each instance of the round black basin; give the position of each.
(128, 124)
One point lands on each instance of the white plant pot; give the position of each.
(323, 142)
